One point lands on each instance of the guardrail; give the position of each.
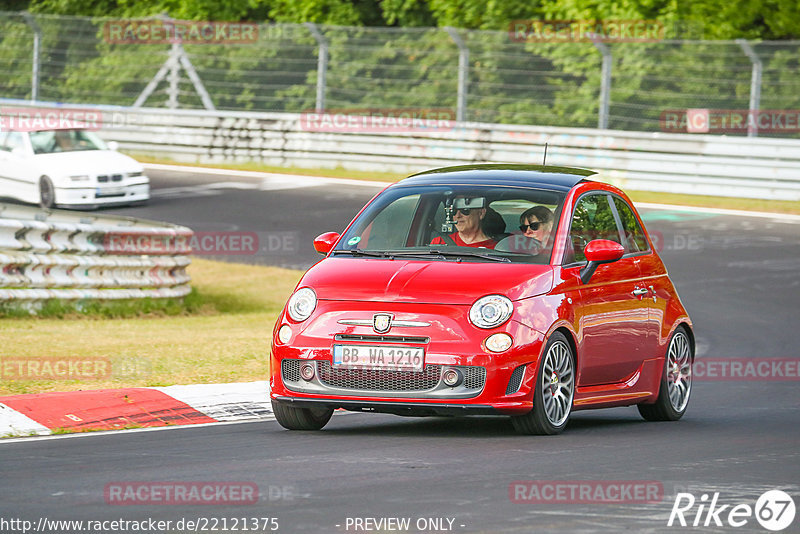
(748, 167)
(74, 256)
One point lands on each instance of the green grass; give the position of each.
(222, 334)
(773, 206)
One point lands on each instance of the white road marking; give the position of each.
(14, 423)
(780, 217)
(225, 402)
(298, 179)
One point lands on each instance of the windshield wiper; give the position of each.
(451, 253)
(370, 253)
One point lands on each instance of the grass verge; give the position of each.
(222, 335)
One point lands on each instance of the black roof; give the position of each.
(549, 176)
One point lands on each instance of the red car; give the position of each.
(529, 291)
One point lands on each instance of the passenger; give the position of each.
(537, 223)
(469, 232)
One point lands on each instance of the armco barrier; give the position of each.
(74, 256)
(720, 165)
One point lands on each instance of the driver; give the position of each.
(468, 227)
(63, 141)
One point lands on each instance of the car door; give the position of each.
(16, 169)
(652, 270)
(611, 317)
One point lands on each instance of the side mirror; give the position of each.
(112, 145)
(598, 252)
(323, 243)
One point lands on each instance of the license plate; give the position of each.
(379, 357)
(109, 191)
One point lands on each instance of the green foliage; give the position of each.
(108, 309)
(372, 66)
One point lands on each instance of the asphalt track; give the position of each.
(738, 277)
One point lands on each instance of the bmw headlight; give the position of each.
(301, 304)
(491, 311)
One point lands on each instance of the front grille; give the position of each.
(382, 339)
(474, 377)
(116, 177)
(290, 370)
(381, 379)
(516, 380)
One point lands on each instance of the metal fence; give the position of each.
(483, 76)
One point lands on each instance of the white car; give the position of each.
(68, 168)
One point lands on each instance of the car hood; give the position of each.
(88, 162)
(435, 282)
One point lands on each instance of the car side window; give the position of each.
(592, 219)
(634, 235)
(13, 140)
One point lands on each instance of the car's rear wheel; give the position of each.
(554, 391)
(676, 381)
(47, 193)
(296, 418)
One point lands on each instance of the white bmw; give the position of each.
(68, 168)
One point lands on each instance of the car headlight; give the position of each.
(79, 178)
(491, 311)
(301, 304)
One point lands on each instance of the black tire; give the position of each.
(296, 418)
(541, 420)
(47, 193)
(676, 380)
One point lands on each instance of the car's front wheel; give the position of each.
(676, 381)
(47, 193)
(554, 391)
(296, 418)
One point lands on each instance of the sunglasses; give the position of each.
(533, 226)
(465, 211)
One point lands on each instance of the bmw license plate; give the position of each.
(379, 357)
(109, 191)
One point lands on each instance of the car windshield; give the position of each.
(52, 141)
(457, 223)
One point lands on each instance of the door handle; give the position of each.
(640, 291)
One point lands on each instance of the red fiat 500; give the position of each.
(528, 291)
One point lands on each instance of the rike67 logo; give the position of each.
(774, 510)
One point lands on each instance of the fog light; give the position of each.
(307, 371)
(452, 377)
(285, 333)
(499, 342)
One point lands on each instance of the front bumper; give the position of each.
(88, 196)
(494, 383)
(415, 409)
